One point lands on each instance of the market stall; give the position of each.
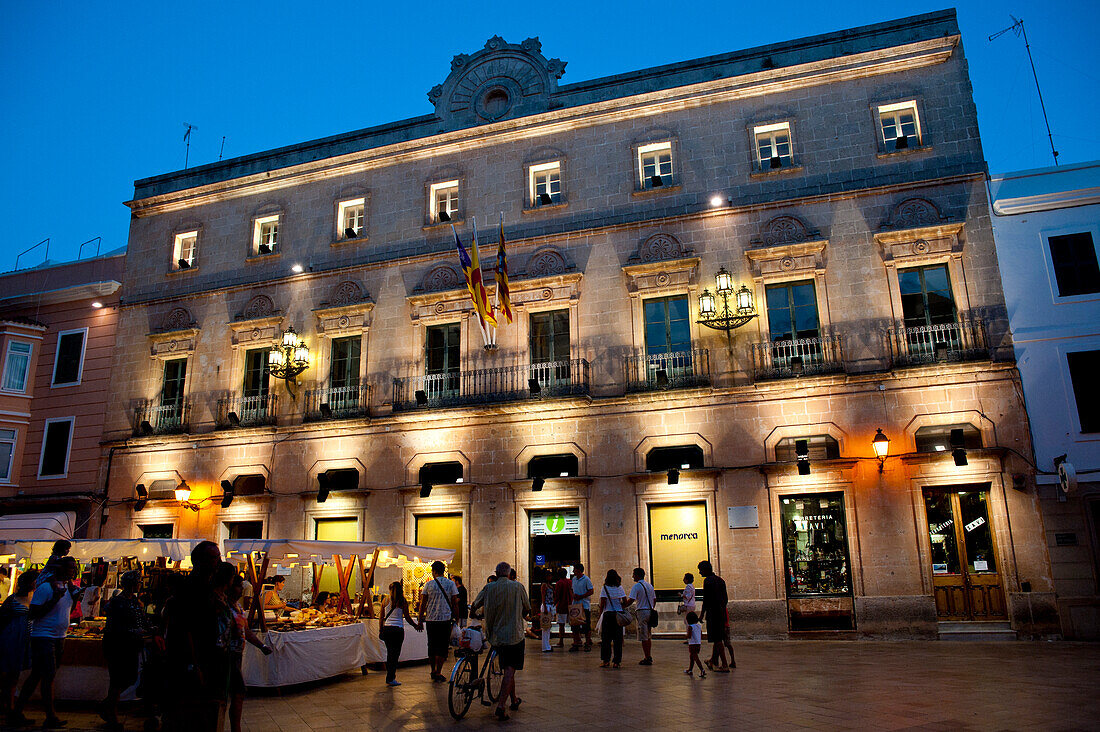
(311, 645)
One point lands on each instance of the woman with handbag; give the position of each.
(546, 609)
(395, 613)
(613, 617)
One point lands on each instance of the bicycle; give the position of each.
(467, 682)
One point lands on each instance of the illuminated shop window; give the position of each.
(816, 562)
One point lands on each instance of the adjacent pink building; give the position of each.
(57, 333)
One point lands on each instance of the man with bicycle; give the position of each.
(506, 607)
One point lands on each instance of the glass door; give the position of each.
(965, 580)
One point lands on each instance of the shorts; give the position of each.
(716, 629)
(236, 678)
(439, 637)
(511, 656)
(563, 618)
(644, 631)
(46, 656)
(587, 622)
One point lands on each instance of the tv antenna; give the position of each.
(187, 140)
(1017, 28)
(222, 150)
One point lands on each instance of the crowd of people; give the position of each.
(193, 641)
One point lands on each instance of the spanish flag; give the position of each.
(471, 268)
(504, 295)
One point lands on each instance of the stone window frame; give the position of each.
(263, 215)
(662, 137)
(431, 221)
(755, 165)
(68, 448)
(796, 262)
(346, 196)
(358, 326)
(667, 278)
(529, 205)
(173, 262)
(875, 109)
(924, 246)
(539, 295)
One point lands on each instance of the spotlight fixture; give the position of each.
(234, 419)
(545, 199)
(97, 304)
(145, 427)
(103, 516)
(775, 162)
(351, 233)
(227, 493)
(881, 446)
(143, 497)
(534, 387)
(901, 142)
(673, 476)
(326, 410)
(940, 350)
(264, 249)
(802, 453)
(421, 397)
(661, 376)
(797, 365)
(425, 489)
(183, 264)
(297, 269)
(958, 447)
(656, 181)
(323, 487)
(537, 484)
(444, 216)
(716, 201)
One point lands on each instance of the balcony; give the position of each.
(338, 402)
(485, 386)
(787, 359)
(659, 371)
(246, 411)
(163, 419)
(960, 341)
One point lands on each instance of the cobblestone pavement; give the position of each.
(777, 685)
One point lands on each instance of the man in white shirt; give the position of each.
(437, 608)
(582, 593)
(645, 600)
(51, 604)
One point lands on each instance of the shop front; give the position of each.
(678, 540)
(554, 541)
(816, 562)
(965, 580)
(442, 531)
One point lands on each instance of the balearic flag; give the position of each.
(471, 269)
(504, 295)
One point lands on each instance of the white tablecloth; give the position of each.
(306, 655)
(414, 648)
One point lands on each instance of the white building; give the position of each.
(1046, 224)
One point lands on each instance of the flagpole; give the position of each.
(487, 333)
(480, 324)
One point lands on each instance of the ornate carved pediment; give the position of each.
(177, 319)
(913, 213)
(500, 81)
(786, 260)
(441, 278)
(346, 312)
(660, 248)
(176, 335)
(258, 308)
(783, 230)
(916, 232)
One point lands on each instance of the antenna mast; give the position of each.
(1017, 27)
(222, 150)
(187, 140)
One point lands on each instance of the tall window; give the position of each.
(546, 184)
(16, 365)
(667, 327)
(773, 145)
(792, 311)
(55, 448)
(900, 125)
(175, 379)
(443, 349)
(7, 450)
(1075, 267)
(926, 297)
(350, 215)
(255, 373)
(183, 250)
(655, 165)
(1083, 367)
(345, 362)
(69, 360)
(550, 336)
(265, 235)
(443, 200)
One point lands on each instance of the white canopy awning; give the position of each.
(38, 526)
(144, 550)
(302, 551)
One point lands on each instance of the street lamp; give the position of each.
(881, 446)
(288, 359)
(726, 318)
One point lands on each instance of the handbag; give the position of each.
(652, 619)
(622, 617)
(576, 614)
(382, 622)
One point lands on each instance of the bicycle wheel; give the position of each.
(494, 677)
(462, 688)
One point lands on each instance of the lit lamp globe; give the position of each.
(706, 305)
(290, 338)
(723, 282)
(744, 301)
(881, 445)
(301, 354)
(183, 492)
(276, 357)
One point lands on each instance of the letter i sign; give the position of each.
(555, 522)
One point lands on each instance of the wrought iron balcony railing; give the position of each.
(800, 357)
(677, 370)
(163, 419)
(960, 341)
(482, 386)
(247, 411)
(338, 402)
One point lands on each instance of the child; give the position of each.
(687, 597)
(60, 550)
(695, 642)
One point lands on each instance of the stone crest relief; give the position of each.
(260, 306)
(176, 336)
(660, 248)
(914, 213)
(177, 319)
(441, 278)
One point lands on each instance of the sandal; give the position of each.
(710, 665)
(605, 664)
(501, 714)
(515, 705)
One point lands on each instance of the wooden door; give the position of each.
(965, 581)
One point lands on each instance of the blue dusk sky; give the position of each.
(95, 94)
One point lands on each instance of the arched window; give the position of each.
(821, 447)
(553, 466)
(937, 438)
(681, 457)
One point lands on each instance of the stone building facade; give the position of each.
(831, 176)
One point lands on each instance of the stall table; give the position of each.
(414, 648)
(305, 655)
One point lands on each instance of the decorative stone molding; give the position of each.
(556, 289)
(441, 278)
(660, 248)
(176, 337)
(258, 308)
(916, 231)
(500, 81)
(661, 263)
(258, 325)
(787, 261)
(545, 262)
(347, 311)
(783, 230)
(913, 213)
